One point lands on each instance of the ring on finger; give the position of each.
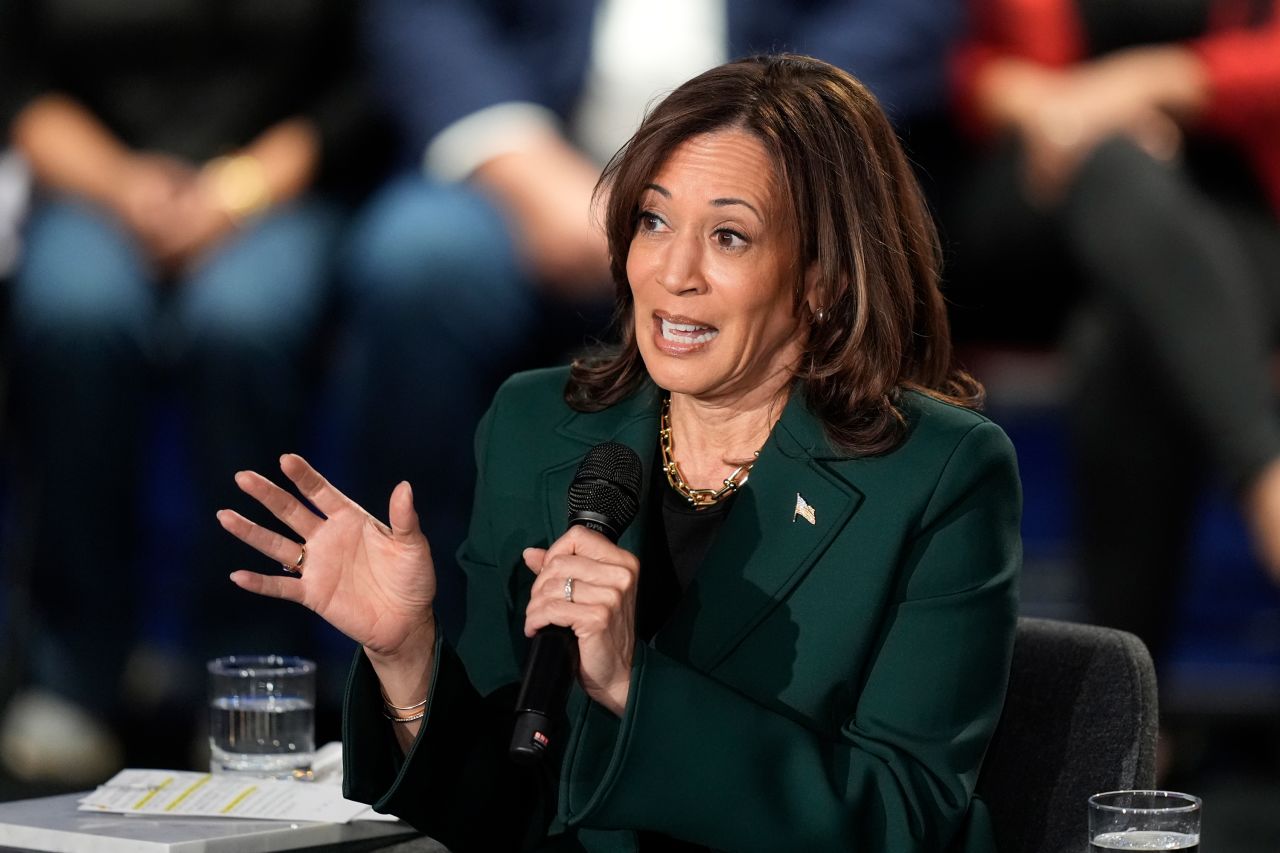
(296, 568)
(568, 590)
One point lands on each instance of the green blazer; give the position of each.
(821, 686)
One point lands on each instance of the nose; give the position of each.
(680, 266)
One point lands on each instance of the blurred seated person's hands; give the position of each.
(1060, 115)
(177, 210)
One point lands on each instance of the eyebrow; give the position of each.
(726, 202)
(717, 202)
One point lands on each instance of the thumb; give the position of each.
(400, 511)
(534, 558)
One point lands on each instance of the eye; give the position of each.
(729, 239)
(649, 221)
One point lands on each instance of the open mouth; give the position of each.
(687, 332)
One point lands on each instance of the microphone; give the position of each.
(604, 496)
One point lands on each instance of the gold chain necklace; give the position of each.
(697, 498)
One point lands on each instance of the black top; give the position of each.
(672, 554)
(196, 78)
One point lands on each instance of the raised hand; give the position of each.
(373, 582)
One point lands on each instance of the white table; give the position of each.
(54, 824)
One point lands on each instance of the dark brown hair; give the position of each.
(859, 216)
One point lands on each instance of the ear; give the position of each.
(812, 293)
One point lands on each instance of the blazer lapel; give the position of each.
(764, 547)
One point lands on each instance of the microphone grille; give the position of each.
(608, 483)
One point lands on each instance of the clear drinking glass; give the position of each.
(1144, 820)
(262, 715)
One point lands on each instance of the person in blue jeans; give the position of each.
(465, 267)
(192, 162)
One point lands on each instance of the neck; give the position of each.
(713, 437)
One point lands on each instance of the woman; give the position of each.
(817, 658)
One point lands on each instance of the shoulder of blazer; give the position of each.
(535, 400)
(537, 390)
(530, 428)
(909, 472)
(929, 422)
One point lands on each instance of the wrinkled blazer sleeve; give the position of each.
(695, 759)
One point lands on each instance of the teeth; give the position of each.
(687, 333)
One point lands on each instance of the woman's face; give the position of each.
(711, 268)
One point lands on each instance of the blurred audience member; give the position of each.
(188, 156)
(1136, 146)
(511, 108)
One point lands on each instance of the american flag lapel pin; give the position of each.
(803, 510)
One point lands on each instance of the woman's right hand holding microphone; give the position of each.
(373, 582)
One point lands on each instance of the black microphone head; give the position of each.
(606, 489)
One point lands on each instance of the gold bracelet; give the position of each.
(414, 718)
(239, 186)
(386, 703)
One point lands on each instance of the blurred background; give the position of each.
(231, 229)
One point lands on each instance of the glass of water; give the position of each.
(262, 715)
(1144, 820)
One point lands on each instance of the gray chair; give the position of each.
(1080, 717)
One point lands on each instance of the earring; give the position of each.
(820, 316)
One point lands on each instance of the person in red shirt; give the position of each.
(1142, 154)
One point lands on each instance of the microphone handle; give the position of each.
(552, 662)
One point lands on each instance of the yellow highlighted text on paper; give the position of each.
(190, 788)
(238, 800)
(147, 797)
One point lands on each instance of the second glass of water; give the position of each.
(262, 715)
(1144, 820)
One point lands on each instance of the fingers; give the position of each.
(587, 584)
(583, 619)
(556, 570)
(588, 543)
(279, 548)
(313, 487)
(599, 591)
(272, 586)
(586, 593)
(282, 505)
